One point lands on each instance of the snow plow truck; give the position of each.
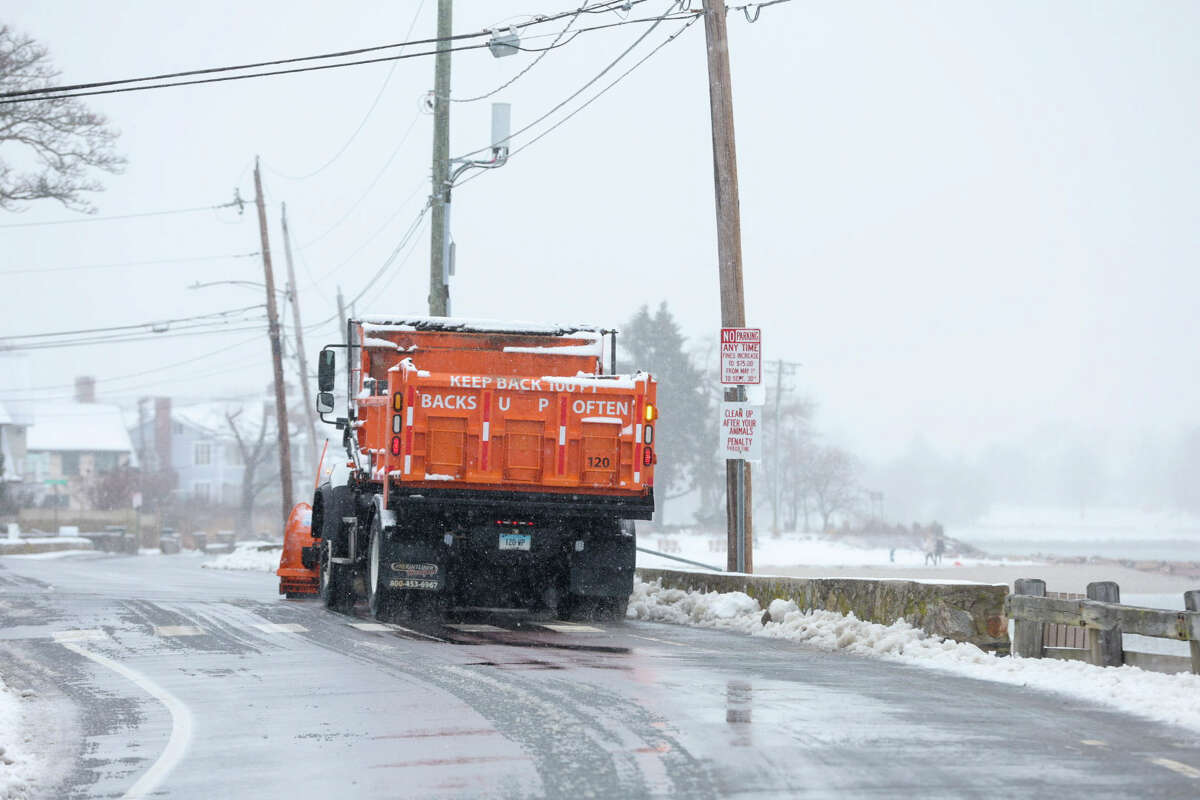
(487, 465)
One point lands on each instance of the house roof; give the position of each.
(85, 427)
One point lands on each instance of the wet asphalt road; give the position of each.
(152, 674)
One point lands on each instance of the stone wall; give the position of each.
(964, 612)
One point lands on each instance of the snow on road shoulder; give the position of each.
(19, 769)
(1165, 698)
(255, 556)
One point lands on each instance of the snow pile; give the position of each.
(18, 770)
(257, 556)
(1173, 699)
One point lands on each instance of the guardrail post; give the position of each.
(1027, 635)
(1108, 648)
(1191, 601)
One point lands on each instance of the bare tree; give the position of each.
(254, 449)
(832, 480)
(61, 140)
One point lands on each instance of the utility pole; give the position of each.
(302, 360)
(281, 420)
(341, 311)
(439, 262)
(729, 256)
(777, 483)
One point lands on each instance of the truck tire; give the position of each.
(380, 597)
(337, 590)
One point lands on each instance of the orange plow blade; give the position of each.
(298, 570)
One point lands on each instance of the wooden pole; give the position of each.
(281, 420)
(1027, 635)
(729, 258)
(1191, 601)
(440, 191)
(341, 312)
(301, 358)
(1108, 649)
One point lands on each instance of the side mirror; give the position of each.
(324, 402)
(326, 365)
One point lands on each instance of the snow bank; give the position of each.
(1173, 699)
(18, 768)
(256, 556)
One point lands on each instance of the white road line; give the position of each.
(89, 635)
(181, 723)
(280, 627)
(415, 633)
(373, 627)
(569, 627)
(1093, 743)
(463, 628)
(177, 630)
(1175, 766)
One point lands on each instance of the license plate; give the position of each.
(515, 541)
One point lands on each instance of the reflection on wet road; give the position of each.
(285, 699)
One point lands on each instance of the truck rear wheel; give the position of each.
(337, 589)
(380, 598)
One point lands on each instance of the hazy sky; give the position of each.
(967, 220)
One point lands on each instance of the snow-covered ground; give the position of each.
(257, 556)
(1166, 698)
(19, 766)
(789, 549)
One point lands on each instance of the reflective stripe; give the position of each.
(562, 435)
(486, 437)
(408, 463)
(408, 420)
(638, 411)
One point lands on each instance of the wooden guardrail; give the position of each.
(1106, 621)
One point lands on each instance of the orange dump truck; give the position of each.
(488, 465)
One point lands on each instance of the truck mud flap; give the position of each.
(604, 568)
(413, 565)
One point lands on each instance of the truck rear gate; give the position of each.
(490, 464)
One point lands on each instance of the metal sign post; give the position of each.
(741, 364)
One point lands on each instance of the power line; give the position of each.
(135, 338)
(404, 241)
(530, 65)
(235, 202)
(114, 265)
(656, 22)
(119, 378)
(378, 175)
(366, 116)
(152, 324)
(59, 93)
(594, 97)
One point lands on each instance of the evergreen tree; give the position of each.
(683, 434)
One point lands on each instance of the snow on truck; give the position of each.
(488, 465)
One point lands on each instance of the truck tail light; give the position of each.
(395, 445)
(397, 401)
(650, 413)
(395, 423)
(647, 456)
(648, 434)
